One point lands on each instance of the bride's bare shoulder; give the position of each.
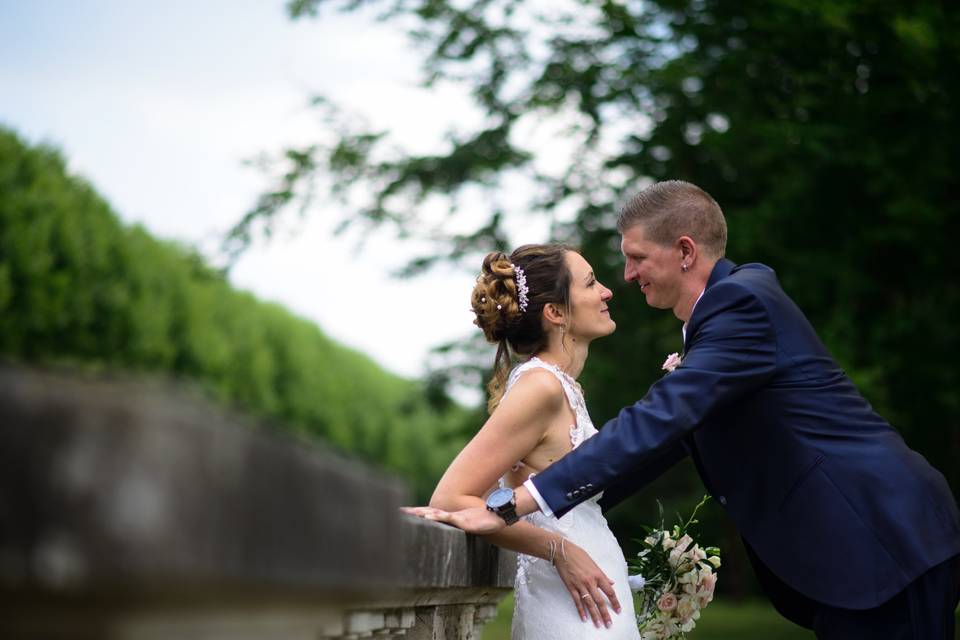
(535, 386)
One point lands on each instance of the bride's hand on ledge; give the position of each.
(475, 520)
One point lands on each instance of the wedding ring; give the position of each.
(585, 596)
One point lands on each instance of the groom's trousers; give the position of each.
(924, 610)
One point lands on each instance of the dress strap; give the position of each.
(570, 387)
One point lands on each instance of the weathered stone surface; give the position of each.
(110, 482)
(440, 556)
(131, 510)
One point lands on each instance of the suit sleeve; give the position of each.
(731, 352)
(639, 478)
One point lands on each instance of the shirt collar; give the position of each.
(684, 329)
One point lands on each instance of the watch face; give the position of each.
(500, 497)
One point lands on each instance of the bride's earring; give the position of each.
(684, 267)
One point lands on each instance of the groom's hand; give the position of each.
(476, 520)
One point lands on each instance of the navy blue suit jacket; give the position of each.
(826, 494)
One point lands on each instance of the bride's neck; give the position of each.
(569, 355)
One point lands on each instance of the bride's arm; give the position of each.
(517, 426)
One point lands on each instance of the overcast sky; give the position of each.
(158, 104)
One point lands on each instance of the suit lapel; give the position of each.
(721, 270)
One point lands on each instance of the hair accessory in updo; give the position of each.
(508, 301)
(522, 289)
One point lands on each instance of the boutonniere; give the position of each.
(672, 362)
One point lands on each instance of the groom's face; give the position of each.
(652, 266)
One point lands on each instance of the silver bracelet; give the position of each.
(552, 548)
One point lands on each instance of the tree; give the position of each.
(826, 130)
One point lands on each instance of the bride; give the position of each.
(542, 302)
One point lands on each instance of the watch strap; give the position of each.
(508, 512)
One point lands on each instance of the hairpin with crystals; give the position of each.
(522, 289)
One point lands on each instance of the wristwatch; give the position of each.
(503, 503)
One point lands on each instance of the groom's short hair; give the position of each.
(674, 208)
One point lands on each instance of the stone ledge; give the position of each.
(133, 506)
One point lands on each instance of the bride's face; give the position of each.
(590, 314)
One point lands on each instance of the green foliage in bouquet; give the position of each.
(678, 578)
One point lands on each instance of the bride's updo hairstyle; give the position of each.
(497, 303)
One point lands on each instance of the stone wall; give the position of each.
(133, 510)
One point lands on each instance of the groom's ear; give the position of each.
(688, 249)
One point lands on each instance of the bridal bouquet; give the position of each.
(678, 579)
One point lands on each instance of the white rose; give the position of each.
(675, 557)
(636, 582)
(686, 608)
(688, 577)
(668, 542)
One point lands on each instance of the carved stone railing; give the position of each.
(135, 511)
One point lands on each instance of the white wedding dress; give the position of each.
(544, 608)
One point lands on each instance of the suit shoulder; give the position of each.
(741, 284)
(752, 270)
(753, 278)
(743, 293)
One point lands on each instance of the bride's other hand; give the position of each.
(588, 585)
(475, 520)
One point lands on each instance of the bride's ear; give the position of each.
(553, 314)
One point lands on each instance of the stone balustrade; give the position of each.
(137, 511)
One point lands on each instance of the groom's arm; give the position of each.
(731, 352)
(613, 495)
(626, 487)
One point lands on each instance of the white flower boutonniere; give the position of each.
(672, 362)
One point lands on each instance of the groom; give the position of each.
(850, 532)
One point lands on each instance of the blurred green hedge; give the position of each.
(79, 288)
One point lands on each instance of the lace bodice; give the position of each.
(544, 608)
